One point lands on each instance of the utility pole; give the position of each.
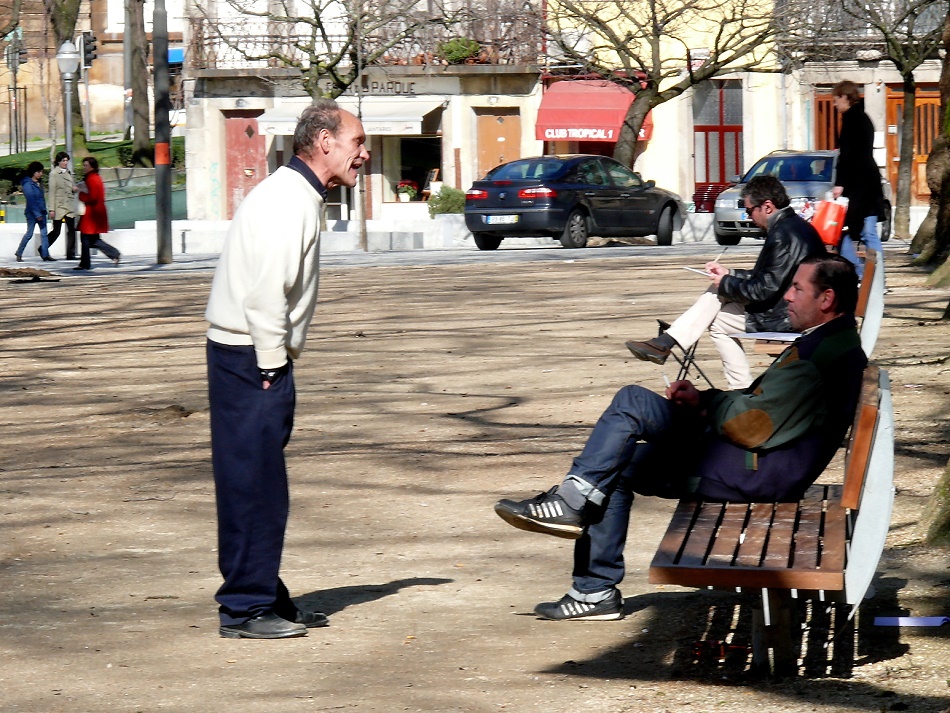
(163, 176)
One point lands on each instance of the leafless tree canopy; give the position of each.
(669, 44)
(330, 41)
(9, 16)
(905, 31)
(660, 48)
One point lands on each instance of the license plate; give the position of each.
(501, 219)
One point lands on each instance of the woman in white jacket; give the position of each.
(62, 204)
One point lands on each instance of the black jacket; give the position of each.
(761, 290)
(856, 171)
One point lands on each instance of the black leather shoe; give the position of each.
(49, 259)
(312, 619)
(265, 626)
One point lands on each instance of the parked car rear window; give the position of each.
(794, 168)
(526, 170)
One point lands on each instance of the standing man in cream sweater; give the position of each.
(262, 299)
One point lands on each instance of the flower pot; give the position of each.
(403, 197)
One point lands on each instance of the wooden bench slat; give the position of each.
(781, 542)
(834, 538)
(756, 577)
(756, 533)
(671, 545)
(723, 552)
(807, 539)
(701, 534)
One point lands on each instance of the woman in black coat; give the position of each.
(857, 176)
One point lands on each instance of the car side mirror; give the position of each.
(649, 184)
(736, 178)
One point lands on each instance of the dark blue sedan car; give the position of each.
(569, 198)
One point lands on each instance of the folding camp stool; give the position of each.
(688, 359)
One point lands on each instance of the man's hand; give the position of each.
(683, 393)
(716, 272)
(837, 191)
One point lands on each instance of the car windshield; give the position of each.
(793, 168)
(535, 168)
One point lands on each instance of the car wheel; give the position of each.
(576, 231)
(664, 227)
(886, 223)
(486, 241)
(727, 239)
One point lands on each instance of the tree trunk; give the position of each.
(78, 127)
(141, 137)
(936, 518)
(927, 229)
(937, 513)
(902, 212)
(626, 149)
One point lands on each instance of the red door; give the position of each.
(717, 139)
(246, 156)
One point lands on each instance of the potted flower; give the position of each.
(407, 190)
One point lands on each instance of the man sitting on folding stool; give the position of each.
(744, 300)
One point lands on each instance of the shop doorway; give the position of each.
(498, 136)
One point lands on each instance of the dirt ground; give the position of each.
(425, 394)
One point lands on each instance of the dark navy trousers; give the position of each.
(249, 428)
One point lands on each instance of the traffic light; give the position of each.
(21, 57)
(88, 49)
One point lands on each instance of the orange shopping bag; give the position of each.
(829, 221)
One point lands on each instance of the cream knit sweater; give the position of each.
(265, 286)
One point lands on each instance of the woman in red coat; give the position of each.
(95, 220)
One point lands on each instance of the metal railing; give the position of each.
(255, 43)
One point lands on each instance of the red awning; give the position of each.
(586, 110)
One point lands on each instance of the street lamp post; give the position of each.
(68, 60)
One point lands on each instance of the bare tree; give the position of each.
(661, 48)
(63, 15)
(905, 32)
(328, 41)
(9, 16)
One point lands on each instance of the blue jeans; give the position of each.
(871, 239)
(641, 444)
(31, 223)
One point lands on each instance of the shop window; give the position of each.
(409, 161)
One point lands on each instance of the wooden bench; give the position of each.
(825, 546)
(869, 310)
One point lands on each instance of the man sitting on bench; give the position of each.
(765, 443)
(738, 299)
